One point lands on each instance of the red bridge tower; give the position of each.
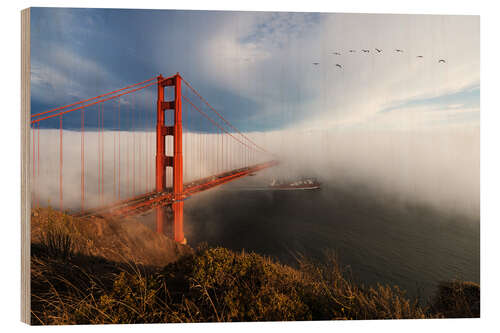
(163, 161)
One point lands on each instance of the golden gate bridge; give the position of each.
(193, 149)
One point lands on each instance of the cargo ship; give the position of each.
(301, 184)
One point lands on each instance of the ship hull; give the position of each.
(294, 188)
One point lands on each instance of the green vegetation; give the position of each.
(212, 285)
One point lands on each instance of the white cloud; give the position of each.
(61, 73)
(280, 57)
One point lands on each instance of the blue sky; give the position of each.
(256, 67)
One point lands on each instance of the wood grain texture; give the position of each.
(25, 166)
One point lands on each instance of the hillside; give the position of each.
(95, 271)
(124, 240)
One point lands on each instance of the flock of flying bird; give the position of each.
(441, 61)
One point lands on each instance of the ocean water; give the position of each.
(380, 238)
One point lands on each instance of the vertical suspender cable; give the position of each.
(114, 151)
(133, 145)
(198, 153)
(60, 162)
(33, 162)
(217, 149)
(151, 147)
(119, 153)
(98, 152)
(141, 136)
(128, 151)
(102, 154)
(38, 167)
(101, 144)
(185, 142)
(82, 160)
(141, 159)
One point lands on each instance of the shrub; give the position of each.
(457, 299)
(216, 284)
(57, 242)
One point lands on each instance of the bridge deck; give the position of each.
(144, 203)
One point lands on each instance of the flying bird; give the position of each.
(378, 50)
(442, 61)
(398, 50)
(352, 51)
(366, 51)
(339, 66)
(315, 63)
(420, 56)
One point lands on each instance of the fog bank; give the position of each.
(435, 166)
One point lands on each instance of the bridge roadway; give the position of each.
(142, 204)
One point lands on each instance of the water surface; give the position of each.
(382, 239)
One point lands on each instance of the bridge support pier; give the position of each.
(162, 161)
(160, 218)
(178, 209)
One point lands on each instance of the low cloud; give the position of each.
(438, 167)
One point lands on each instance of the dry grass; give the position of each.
(215, 285)
(57, 243)
(116, 240)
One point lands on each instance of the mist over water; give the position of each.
(381, 238)
(438, 167)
